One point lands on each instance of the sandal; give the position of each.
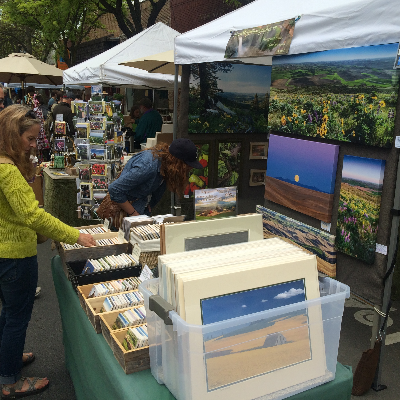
(29, 358)
(31, 390)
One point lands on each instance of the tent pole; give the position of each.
(394, 237)
(175, 210)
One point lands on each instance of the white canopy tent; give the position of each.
(104, 68)
(324, 25)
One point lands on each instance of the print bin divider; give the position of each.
(171, 361)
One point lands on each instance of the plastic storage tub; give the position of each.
(272, 354)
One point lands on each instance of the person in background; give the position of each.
(53, 99)
(20, 219)
(150, 122)
(135, 116)
(43, 145)
(64, 109)
(1, 97)
(147, 174)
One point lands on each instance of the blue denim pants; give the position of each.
(18, 281)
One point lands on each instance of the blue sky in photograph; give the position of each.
(313, 163)
(363, 169)
(354, 53)
(247, 302)
(246, 79)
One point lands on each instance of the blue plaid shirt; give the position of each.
(139, 179)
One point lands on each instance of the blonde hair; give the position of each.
(13, 123)
(173, 170)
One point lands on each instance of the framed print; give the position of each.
(215, 203)
(86, 191)
(257, 177)
(359, 207)
(229, 164)
(258, 150)
(199, 178)
(301, 175)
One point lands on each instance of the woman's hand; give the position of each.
(86, 240)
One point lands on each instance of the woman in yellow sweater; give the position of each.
(20, 220)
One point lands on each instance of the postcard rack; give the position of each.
(215, 361)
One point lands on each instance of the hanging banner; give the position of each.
(267, 40)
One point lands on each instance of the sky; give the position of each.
(314, 163)
(246, 79)
(363, 169)
(354, 53)
(238, 304)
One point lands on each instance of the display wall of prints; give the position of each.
(344, 94)
(318, 242)
(301, 175)
(199, 178)
(215, 203)
(229, 98)
(359, 207)
(229, 163)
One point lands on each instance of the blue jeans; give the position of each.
(18, 281)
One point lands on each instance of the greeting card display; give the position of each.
(60, 128)
(83, 151)
(80, 108)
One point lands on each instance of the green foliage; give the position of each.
(229, 164)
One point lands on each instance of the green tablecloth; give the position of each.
(96, 374)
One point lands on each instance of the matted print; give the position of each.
(318, 242)
(258, 150)
(198, 178)
(359, 207)
(301, 175)
(228, 169)
(215, 203)
(345, 94)
(257, 177)
(229, 98)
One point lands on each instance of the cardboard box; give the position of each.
(37, 186)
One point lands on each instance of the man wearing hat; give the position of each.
(64, 109)
(149, 123)
(147, 174)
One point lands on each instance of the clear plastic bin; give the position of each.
(272, 354)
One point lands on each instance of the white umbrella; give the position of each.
(162, 63)
(24, 68)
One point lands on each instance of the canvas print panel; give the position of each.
(215, 203)
(345, 94)
(359, 207)
(320, 243)
(301, 175)
(229, 98)
(228, 164)
(253, 349)
(198, 178)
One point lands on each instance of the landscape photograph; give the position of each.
(301, 175)
(318, 242)
(215, 203)
(348, 94)
(229, 98)
(255, 349)
(359, 207)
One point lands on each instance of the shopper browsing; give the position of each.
(20, 219)
(147, 174)
(150, 122)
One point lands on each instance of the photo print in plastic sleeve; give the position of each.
(80, 109)
(215, 203)
(60, 128)
(99, 182)
(97, 152)
(99, 169)
(59, 144)
(82, 130)
(86, 211)
(97, 137)
(86, 191)
(84, 172)
(83, 151)
(96, 107)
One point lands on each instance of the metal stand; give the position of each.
(175, 210)
(394, 237)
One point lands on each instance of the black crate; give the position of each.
(75, 269)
